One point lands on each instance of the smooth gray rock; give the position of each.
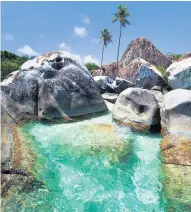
(137, 108)
(179, 74)
(176, 112)
(54, 85)
(176, 127)
(110, 97)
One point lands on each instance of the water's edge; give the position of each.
(93, 165)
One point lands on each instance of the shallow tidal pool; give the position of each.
(92, 165)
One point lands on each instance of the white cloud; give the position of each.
(77, 57)
(86, 59)
(41, 36)
(63, 46)
(95, 40)
(8, 37)
(86, 20)
(27, 50)
(80, 31)
(90, 58)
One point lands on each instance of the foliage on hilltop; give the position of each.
(10, 62)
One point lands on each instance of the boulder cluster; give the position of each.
(52, 86)
(146, 100)
(58, 86)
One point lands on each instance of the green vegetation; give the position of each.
(106, 39)
(10, 62)
(174, 56)
(162, 70)
(121, 15)
(91, 66)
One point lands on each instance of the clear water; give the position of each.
(92, 165)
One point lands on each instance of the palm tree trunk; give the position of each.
(102, 58)
(118, 49)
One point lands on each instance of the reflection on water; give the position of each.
(92, 165)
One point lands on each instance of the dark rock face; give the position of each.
(143, 48)
(54, 85)
(137, 108)
(108, 85)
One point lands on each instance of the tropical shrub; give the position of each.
(174, 56)
(10, 62)
(162, 70)
(91, 66)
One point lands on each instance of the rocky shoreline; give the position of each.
(56, 86)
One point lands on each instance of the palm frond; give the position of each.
(121, 15)
(106, 37)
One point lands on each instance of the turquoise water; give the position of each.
(92, 165)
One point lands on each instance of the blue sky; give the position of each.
(39, 27)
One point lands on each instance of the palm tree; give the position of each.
(106, 39)
(121, 15)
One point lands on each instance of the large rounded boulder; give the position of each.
(176, 127)
(179, 74)
(142, 73)
(137, 108)
(54, 85)
(176, 112)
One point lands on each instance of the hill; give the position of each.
(10, 62)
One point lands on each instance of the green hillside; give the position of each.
(10, 62)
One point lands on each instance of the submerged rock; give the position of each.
(177, 186)
(179, 74)
(137, 108)
(54, 85)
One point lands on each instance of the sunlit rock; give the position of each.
(54, 85)
(137, 108)
(179, 74)
(176, 127)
